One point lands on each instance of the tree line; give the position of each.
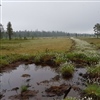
(9, 33)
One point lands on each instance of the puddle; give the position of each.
(37, 78)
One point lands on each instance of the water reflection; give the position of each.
(26, 67)
(40, 79)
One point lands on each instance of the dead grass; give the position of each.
(35, 46)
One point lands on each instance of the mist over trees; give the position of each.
(31, 34)
(26, 34)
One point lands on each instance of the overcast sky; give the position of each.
(77, 17)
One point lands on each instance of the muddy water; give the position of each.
(37, 74)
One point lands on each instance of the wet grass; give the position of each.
(35, 46)
(11, 58)
(44, 49)
(14, 50)
(56, 59)
(50, 58)
(94, 41)
(94, 71)
(67, 70)
(82, 58)
(93, 90)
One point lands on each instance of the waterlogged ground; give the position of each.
(38, 78)
(44, 83)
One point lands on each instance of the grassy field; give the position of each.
(35, 46)
(15, 50)
(95, 41)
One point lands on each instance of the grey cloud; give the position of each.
(63, 16)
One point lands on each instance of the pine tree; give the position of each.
(9, 30)
(97, 29)
(1, 31)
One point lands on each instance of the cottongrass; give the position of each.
(93, 80)
(74, 98)
(85, 47)
(86, 98)
(94, 71)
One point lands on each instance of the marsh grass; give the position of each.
(76, 56)
(60, 58)
(67, 70)
(92, 90)
(94, 71)
(11, 58)
(35, 45)
(11, 51)
(55, 58)
(43, 55)
(93, 41)
(83, 58)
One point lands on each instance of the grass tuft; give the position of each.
(24, 88)
(67, 70)
(94, 71)
(92, 90)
